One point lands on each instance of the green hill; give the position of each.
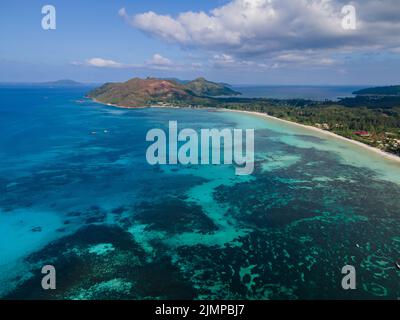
(202, 87)
(145, 92)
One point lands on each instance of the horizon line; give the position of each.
(230, 84)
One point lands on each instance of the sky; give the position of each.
(258, 42)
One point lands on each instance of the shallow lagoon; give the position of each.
(76, 192)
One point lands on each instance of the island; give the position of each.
(371, 117)
(380, 91)
(61, 83)
(138, 92)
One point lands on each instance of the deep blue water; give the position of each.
(76, 192)
(319, 93)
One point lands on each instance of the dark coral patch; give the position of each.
(125, 272)
(174, 216)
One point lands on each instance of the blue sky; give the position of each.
(237, 41)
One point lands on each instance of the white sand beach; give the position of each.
(324, 132)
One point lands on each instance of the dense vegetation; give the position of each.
(385, 91)
(377, 127)
(202, 87)
(372, 102)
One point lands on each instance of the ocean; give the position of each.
(77, 193)
(318, 93)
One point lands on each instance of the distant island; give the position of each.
(371, 117)
(61, 83)
(380, 91)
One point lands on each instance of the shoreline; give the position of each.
(377, 151)
(113, 105)
(380, 152)
(125, 107)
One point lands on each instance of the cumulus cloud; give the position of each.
(281, 60)
(229, 62)
(158, 61)
(103, 63)
(259, 29)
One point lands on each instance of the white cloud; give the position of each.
(163, 26)
(244, 25)
(308, 58)
(228, 61)
(262, 29)
(104, 63)
(159, 61)
(223, 59)
(156, 62)
(281, 60)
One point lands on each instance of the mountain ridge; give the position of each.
(138, 92)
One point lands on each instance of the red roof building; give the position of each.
(362, 133)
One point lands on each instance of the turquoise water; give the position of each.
(77, 192)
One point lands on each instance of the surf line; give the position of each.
(187, 147)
